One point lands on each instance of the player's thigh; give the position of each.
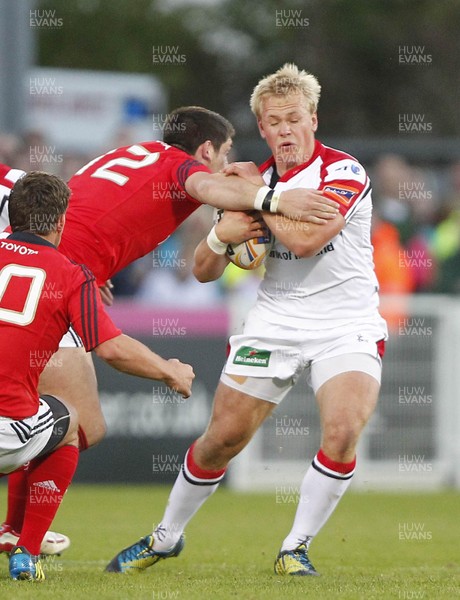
(241, 403)
(70, 375)
(346, 398)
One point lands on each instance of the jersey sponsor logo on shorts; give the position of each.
(253, 357)
(341, 193)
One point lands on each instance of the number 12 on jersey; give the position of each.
(108, 170)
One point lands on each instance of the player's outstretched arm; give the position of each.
(235, 193)
(131, 356)
(210, 259)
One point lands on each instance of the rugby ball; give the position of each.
(250, 254)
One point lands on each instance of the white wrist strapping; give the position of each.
(214, 243)
(274, 203)
(260, 196)
(266, 199)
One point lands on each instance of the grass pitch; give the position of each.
(383, 546)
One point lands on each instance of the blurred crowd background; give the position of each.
(389, 72)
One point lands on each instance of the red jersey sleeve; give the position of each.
(344, 180)
(87, 313)
(182, 169)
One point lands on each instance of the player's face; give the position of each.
(289, 128)
(219, 160)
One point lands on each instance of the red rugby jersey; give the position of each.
(41, 293)
(125, 203)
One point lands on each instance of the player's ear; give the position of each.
(314, 122)
(60, 223)
(204, 152)
(208, 149)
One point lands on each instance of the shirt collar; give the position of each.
(29, 238)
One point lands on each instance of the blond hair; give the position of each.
(287, 80)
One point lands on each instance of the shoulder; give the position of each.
(178, 160)
(337, 164)
(76, 273)
(80, 271)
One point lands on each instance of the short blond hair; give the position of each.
(287, 80)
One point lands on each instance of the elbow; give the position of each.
(201, 275)
(304, 249)
(308, 247)
(108, 351)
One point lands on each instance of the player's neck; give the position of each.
(53, 238)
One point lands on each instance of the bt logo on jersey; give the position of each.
(341, 193)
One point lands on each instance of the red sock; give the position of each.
(197, 472)
(17, 497)
(48, 480)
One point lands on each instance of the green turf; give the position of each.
(362, 553)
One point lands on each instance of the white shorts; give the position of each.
(21, 441)
(272, 362)
(71, 340)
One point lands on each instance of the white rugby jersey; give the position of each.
(8, 178)
(337, 285)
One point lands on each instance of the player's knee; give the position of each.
(219, 449)
(339, 440)
(235, 442)
(232, 442)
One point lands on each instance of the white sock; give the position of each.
(320, 492)
(189, 492)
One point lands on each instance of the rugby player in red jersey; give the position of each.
(123, 205)
(41, 293)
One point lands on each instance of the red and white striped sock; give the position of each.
(322, 487)
(191, 489)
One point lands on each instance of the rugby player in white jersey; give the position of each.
(317, 309)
